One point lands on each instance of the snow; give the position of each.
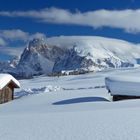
(98, 47)
(76, 107)
(123, 85)
(46, 64)
(70, 53)
(5, 79)
(26, 92)
(124, 79)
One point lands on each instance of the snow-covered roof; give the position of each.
(123, 85)
(6, 78)
(124, 79)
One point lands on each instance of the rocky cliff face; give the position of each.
(38, 58)
(94, 53)
(72, 60)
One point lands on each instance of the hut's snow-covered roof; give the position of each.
(123, 85)
(6, 78)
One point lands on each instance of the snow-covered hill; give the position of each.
(70, 108)
(75, 53)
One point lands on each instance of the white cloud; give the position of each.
(12, 51)
(17, 34)
(2, 42)
(37, 35)
(14, 34)
(128, 19)
(10, 37)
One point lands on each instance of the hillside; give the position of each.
(70, 108)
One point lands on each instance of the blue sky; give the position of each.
(22, 20)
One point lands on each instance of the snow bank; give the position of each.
(32, 91)
(120, 85)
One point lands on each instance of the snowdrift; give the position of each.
(124, 86)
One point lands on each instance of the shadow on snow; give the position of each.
(80, 100)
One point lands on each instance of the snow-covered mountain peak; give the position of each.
(36, 42)
(98, 47)
(76, 53)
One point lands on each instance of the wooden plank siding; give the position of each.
(6, 94)
(7, 85)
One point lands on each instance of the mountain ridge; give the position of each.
(74, 53)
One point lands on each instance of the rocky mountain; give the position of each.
(94, 53)
(38, 58)
(72, 60)
(72, 53)
(9, 65)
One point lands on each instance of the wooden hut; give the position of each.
(123, 87)
(7, 85)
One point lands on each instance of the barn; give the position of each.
(7, 85)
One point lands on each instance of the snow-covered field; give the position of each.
(70, 108)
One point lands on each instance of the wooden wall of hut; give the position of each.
(6, 94)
